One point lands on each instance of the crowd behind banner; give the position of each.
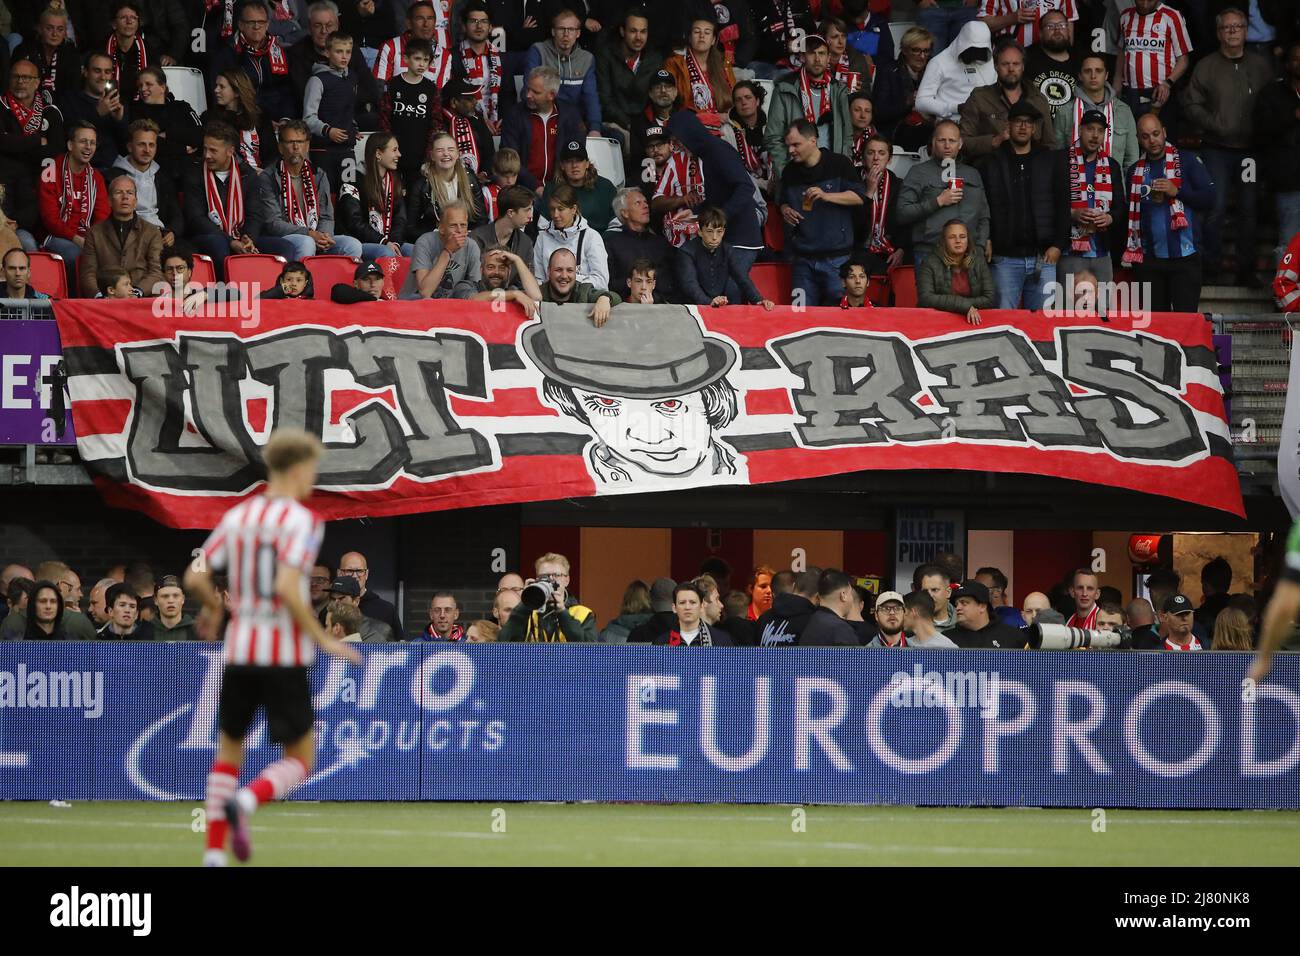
(760, 608)
(1062, 143)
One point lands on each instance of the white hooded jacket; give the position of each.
(948, 82)
(584, 242)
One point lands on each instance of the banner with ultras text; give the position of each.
(501, 722)
(430, 405)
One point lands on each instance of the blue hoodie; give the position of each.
(727, 183)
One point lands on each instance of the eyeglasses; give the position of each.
(477, 21)
(918, 51)
(568, 29)
(1233, 27)
(294, 142)
(353, 572)
(253, 23)
(24, 78)
(320, 581)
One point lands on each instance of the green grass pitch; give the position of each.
(432, 834)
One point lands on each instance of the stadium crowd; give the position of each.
(809, 607)
(1056, 139)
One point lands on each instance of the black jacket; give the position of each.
(825, 628)
(423, 214)
(719, 637)
(372, 605)
(660, 623)
(66, 70)
(267, 149)
(623, 247)
(782, 623)
(302, 56)
(22, 155)
(996, 634)
(180, 129)
(197, 221)
(352, 217)
(742, 630)
(1277, 133)
(1049, 192)
(80, 105)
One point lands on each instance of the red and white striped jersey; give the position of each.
(1151, 44)
(251, 542)
(1026, 33)
(391, 61)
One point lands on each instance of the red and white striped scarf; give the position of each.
(78, 195)
(484, 71)
(282, 10)
(250, 147)
(682, 176)
(227, 213)
(877, 241)
(1108, 108)
(1101, 189)
(381, 220)
(227, 14)
(1087, 622)
(1192, 645)
(756, 159)
(116, 54)
(50, 71)
(1133, 254)
(812, 112)
(701, 91)
(851, 79)
(29, 120)
(308, 213)
(272, 51)
(491, 198)
(859, 151)
(462, 130)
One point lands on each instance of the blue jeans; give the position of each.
(27, 240)
(370, 251)
(818, 279)
(1225, 168)
(1288, 221)
(298, 247)
(944, 23)
(744, 259)
(1027, 276)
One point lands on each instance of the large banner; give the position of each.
(548, 722)
(429, 405)
(29, 358)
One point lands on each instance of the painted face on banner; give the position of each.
(664, 436)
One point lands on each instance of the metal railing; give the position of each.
(1260, 368)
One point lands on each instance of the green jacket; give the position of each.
(183, 631)
(623, 94)
(1123, 138)
(787, 106)
(596, 204)
(584, 293)
(576, 624)
(934, 285)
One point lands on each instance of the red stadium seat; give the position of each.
(774, 229)
(395, 270)
(773, 280)
(878, 290)
(204, 271)
(902, 279)
(328, 271)
(261, 270)
(49, 274)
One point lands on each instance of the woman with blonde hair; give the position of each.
(1232, 632)
(954, 277)
(704, 77)
(443, 179)
(236, 104)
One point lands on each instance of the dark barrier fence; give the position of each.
(488, 722)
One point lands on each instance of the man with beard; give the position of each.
(985, 116)
(1051, 64)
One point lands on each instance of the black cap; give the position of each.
(574, 149)
(663, 76)
(367, 269)
(1093, 116)
(346, 585)
(972, 589)
(1177, 604)
(1022, 107)
(655, 132)
(459, 87)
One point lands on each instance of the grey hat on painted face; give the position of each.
(644, 351)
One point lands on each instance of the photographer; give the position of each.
(560, 619)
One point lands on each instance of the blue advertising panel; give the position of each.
(489, 722)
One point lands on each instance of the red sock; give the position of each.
(278, 779)
(223, 780)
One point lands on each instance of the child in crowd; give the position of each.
(114, 284)
(412, 109)
(329, 108)
(709, 274)
(641, 283)
(294, 283)
(505, 173)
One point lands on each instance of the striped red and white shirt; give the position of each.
(391, 61)
(251, 542)
(1151, 45)
(1026, 33)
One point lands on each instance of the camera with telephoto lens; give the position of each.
(540, 593)
(1059, 637)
